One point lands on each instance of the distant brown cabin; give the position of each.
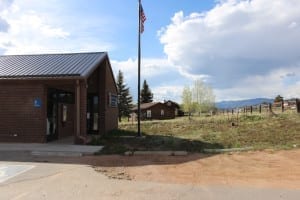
(174, 106)
(156, 110)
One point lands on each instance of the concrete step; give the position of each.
(58, 153)
(49, 149)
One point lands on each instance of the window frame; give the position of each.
(148, 114)
(113, 100)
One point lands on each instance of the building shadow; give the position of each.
(118, 142)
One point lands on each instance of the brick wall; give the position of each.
(108, 116)
(102, 98)
(111, 114)
(20, 121)
(169, 113)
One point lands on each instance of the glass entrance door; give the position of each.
(93, 114)
(55, 98)
(52, 115)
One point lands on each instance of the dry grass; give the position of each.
(259, 131)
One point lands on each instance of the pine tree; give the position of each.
(278, 99)
(124, 97)
(146, 94)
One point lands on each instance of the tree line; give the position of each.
(196, 99)
(125, 100)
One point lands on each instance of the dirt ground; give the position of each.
(262, 169)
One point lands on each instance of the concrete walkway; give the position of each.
(50, 149)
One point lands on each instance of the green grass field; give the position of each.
(258, 131)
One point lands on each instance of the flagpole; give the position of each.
(139, 73)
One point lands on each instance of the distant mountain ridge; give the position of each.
(242, 103)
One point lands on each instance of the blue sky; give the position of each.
(243, 49)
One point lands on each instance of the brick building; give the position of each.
(156, 110)
(175, 106)
(51, 96)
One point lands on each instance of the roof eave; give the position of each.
(23, 78)
(89, 72)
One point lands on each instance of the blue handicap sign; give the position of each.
(37, 103)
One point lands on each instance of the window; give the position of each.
(148, 113)
(113, 100)
(162, 112)
(66, 97)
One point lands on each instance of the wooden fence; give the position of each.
(280, 107)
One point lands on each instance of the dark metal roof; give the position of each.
(49, 65)
(146, 105)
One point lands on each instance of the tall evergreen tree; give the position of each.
(124, 97)
(146, 94)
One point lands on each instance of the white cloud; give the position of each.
(243, 48)
(164, 79)
(3, 25)
(4, 4)
(234, 40)
(34, 27)
(167, 92)
(293, 25)
(283, 81)
(32, 24)
(29, 32)
(150, 67)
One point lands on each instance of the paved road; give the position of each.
(70, 181)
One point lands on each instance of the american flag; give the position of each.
(142, 18)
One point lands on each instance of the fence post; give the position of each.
(298, 105)
(227, 112)
(251, 109)
(270, 107)
(237, 116)
(259, 108)
(282, 106)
